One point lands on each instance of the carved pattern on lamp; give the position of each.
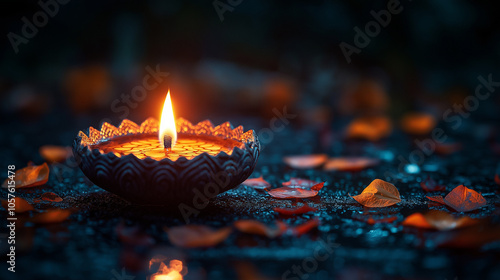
(164, 182)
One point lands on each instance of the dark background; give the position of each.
(263, 55)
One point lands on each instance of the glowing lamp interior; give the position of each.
(167, 122)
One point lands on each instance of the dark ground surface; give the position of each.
(86, 246)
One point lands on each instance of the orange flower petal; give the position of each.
(55, 153)
(444, 221)
(351, 164)
(299, 183)
(378, 194)
(463, 199)
(305, 227)
(437, 198)
(257, 183)
(372, 129)
(417, 220)
(305, 161)
(51, 216)
(418, 123)
(50, 196)
(429, 185)
(258, 228)
(288, 192)
(192, 236)
(439, 220)
(30, 176)
(20, 205)
(372, 221)
(295, 211)
(318, 187)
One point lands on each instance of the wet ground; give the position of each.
(86, 246)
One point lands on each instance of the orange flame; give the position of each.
(167, 122)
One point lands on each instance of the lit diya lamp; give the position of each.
(166, 163)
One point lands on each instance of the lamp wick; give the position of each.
(167, 143)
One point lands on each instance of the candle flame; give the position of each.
(167, 122)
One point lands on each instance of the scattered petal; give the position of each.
(299, 183)
(295, 211)
(305, 227)
(372, 129)
(351, 164)
(463, 199)
(30, 176)
(51, 216)
(372, 221)
(50, 196)
(378, 194)
(444, 221)
(20, 205)
(439, 220)
(418, 123)
(55, 153)
(437, 198)
(258, 228)
(192, 236)
(305, 161)
(288, 192)
(417, 220)
(257, 183)
(429, 185)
